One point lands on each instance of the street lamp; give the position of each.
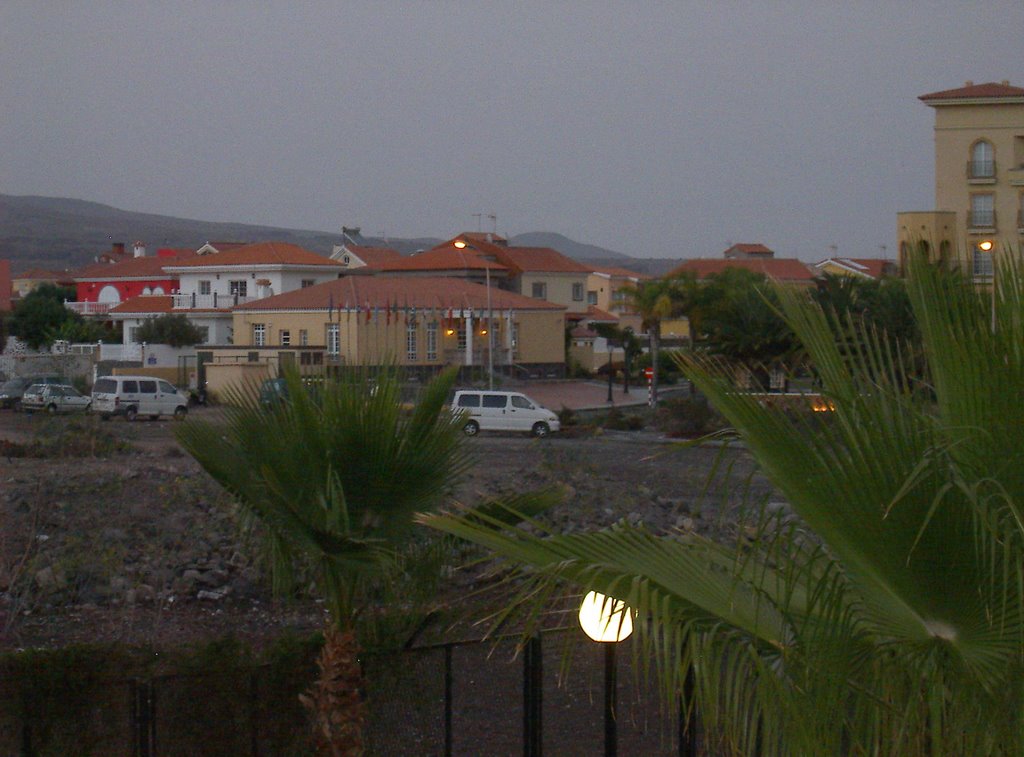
(609, 621)
(987, 246)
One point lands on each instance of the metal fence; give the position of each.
(474, 698)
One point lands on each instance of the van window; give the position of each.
(147, 387)
(469, 400)
(130, 387)
(105, 386)
(167, 388)
(521, 402)
(495, 400)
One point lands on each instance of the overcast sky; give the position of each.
(659, 130)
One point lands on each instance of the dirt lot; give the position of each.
(117, 535)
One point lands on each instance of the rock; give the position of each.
(214, 578)
(215, 595)
(50, 579)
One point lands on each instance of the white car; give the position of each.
(132, 396)
(502, 411)
(54, 398)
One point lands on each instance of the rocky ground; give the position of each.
(113, 533)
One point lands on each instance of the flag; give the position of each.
(387, 311)
(368, 311)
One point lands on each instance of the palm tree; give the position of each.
(658, 300)
(888, 618)
(333, 476)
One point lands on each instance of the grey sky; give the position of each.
(660, 130)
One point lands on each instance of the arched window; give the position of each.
(109, 295)
(147, 290)
(158, 290)
(983, 160)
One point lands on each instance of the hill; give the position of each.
(566, 246)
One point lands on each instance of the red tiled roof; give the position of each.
(780, 269)
(582, 332)
(42, 273)
(989, 90)
(624, 273)
(147, 303)
(597, 315)
(261, 253)
(145, 267)
(446, 258)
(542, 260)
(420, 292)
(373, 256)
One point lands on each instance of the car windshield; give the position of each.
(13, 384)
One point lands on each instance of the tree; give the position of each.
(657, 300)
(40, 314)
(741, 321)
(172, 329)
(889, 618)
(333, 477)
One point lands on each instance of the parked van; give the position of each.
(132, 396)
(502, 411)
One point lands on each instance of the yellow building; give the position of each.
(979, 177)
(420, 323)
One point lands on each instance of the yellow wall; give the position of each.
(559, 286)
(169, 375)
(957, 128)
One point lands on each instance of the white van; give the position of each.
(132, 396)
(502, 411)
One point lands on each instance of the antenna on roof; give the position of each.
(884, 248)
(479, 223)
(494, 221)
(834, 248)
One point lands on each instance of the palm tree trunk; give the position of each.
(335, 701)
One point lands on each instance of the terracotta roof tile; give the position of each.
(750, 248)
(42, 273)
(374, 256)
(261, 253)
(597, 315)
(872, 267)
(446, 258)
(624, 273)
(989, 90)
(145, 267)
(378, 291)
(543, 260)
(780, 269)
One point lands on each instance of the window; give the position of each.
(983, 164)
(303, 338)
(432, 341)
(204, 333)
(540, 290)
(147, 387)
(240, 287)
(254, 357)
(130, 387)
(982, 263)
(132, 334)
(204, 287)
(983, 214)
(307, 283)
(167, 388)
(469, 400)
(462, 335)
(591, 297)
(577, 292)
(286, 338)
(410, 342)
(515, 336)
(333, 341)
(495, 400)
(259, 334)
(521, 402)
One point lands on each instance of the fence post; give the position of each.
(687, 725)
(143, 721)
(448, 740)
(533, 679)
(254, 701)
(26, 726)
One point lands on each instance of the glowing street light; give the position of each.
(609, 621)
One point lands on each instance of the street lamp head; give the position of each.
(605, 619)
(985, 245)
(459, 243)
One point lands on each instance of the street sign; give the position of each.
(649, 373)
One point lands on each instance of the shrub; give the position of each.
(687, 417)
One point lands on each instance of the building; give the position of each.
(979, 178)
(116, 278)
(608, 289)
(5, 285)
(28, 280)
(865, 268)
(783, 270)
(420, 323)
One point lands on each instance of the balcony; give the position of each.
(981, 171)
(90, 308)
(208, 301)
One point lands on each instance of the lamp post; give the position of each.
(987, 246)
(608, 621)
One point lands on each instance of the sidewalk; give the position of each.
(580, 395)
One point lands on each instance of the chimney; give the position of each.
(139, 250)
(968, 83)
(1005, 82)
(117, 249)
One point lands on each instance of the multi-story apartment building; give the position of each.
(979, 178)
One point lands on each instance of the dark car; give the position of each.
(12, 390)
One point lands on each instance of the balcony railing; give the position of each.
(981, 169)
(981, 219)
(213, 301)
(90, 308)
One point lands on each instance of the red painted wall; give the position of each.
(5, 285)
(90, 291)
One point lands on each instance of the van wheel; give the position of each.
(51, 409)
(130, 414)
(540, 428)
(180, 412)
(472, 428)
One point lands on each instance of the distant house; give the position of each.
(755, 251)
(867, 268)
(784, 270)
(26, 281)
(5, 285)
(422, 323)
(538, 272)
(118, 277)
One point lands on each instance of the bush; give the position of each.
(616, 420)
(687, 417)
(567, 417)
